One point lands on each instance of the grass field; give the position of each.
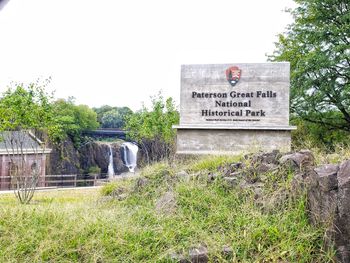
(92, 226)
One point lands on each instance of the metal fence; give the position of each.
(64, 180)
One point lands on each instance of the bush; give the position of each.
(74, 119)
(211, 163)
(94, 170)
(108, 189)
(153, 129)
(311, 135)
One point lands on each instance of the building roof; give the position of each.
(17, 141)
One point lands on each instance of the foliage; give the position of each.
(101, 110)
(212, 163)
(78, 226)
(74, 119)
(340, 154)
(94, 170)
(153, 128)
(317, 46)
(26, 107)
(25, 111)
(108, 189)
(312, 135)
(112, 117)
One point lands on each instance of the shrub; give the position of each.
(108, 189)
(153, 129)
(211, 163)
(94, 170)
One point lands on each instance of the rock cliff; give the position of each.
(66, 159)
(97, 154)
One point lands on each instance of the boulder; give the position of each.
(302, 160)
(212, 176)
(329, 204)
(231, 181)
(264, 168)
(199, 254)
(236, 174)
(227, 252)
(183, 175)
(179, 258)
(166, 204)
(266, 158)
(344, 175)
(226, 170)
(327, 176)
(141, 183)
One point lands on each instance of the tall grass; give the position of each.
(83, 226)
(324, 155)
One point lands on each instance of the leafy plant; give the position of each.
(94, 170)
(153, 128)
(26, 111)
(112, 117)
(74, 119)
(108, 189)
(317, 46)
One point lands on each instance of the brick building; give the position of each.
(21, 152)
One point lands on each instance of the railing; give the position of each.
(65, 180)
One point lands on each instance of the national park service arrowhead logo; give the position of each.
(233, 74)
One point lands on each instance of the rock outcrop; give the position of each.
(97, 154)
(66, 159)
(329, 204)
(166, 204)
(327, 187)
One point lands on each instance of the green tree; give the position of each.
(153, 128)
(112, 117)
(24, 112)
(317, 45)
(74, 119)
(101, 110)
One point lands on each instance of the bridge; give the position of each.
(107, 132)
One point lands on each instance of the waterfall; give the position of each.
(110, 165)
(130, 155)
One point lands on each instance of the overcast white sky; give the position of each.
(122, 52)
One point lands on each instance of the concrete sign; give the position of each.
(230, 108)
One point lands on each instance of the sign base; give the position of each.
(232, 140)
